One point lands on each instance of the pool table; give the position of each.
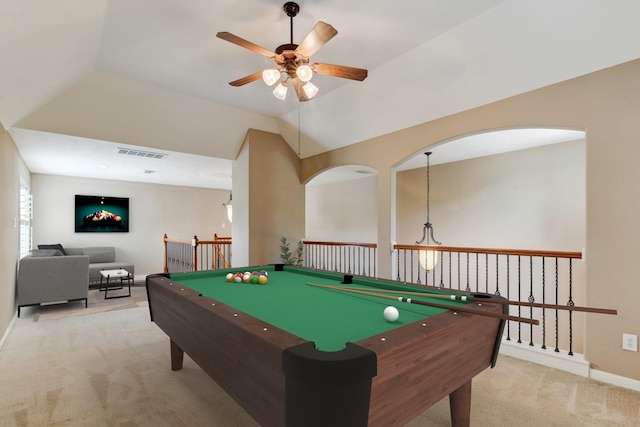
(291, 353)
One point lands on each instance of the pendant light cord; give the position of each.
(298, 127)
(428, 193)
(427, 230)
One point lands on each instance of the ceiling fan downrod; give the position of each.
(291, 9)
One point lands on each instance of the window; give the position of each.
(25, 219)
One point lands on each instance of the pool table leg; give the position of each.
(460, 405)
(177, 356)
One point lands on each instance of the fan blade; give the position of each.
(245, 44)
(297, 84)
(340, 71)
(317, 37)
(243, 81)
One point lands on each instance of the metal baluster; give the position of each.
(468, 289)
(508, 293)
(458, 259)
(486, 273)
(570, 303)
(531, 299)
(439, 266)
(557, 350)
(544, 300)
(497, 276)
(519, 299)
(450, 276)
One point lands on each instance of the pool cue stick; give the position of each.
(431, 304)
(479, 299)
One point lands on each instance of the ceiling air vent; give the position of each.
(138, 153)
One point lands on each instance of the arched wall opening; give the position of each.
(527, 195)
(518, 188)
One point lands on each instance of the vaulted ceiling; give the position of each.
(80, 79)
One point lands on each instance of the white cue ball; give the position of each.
(391, 314)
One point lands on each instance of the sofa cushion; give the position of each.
(45, 252)
(74, 251)
(100, 254)
(57, 246)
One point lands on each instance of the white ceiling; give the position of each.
(80, 78)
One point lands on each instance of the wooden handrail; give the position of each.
(178, 240)
(364, 245)
(492, 251)
(166, 264)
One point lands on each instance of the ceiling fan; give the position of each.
(292, 60)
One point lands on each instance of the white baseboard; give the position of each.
(558, 360)
(575, 364)
(6, 333)
(624, 382)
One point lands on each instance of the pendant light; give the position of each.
(428, 258)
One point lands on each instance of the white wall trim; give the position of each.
(609, 378)
(8, 331)
(575, 364)
(562, 361)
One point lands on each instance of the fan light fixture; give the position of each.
(271, 76)
(304, 73)
(229, 207)
(310, 89)
(292, 66)
(428, 258)
(280, 91)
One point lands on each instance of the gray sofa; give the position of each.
(55, 274)
(101, 258)
(46, 276)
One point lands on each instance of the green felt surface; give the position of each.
(329, 318)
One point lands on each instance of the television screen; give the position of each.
(102, 214)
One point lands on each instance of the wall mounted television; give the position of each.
(101, 214)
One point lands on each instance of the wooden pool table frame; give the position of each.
(417, 364)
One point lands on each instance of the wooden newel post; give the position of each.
(194, 243)
(166, 266)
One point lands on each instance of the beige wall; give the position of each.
(606, 105)
(180, 212)
(343, 212)
(240, 175)
(528, 199)
(12, 167)
(273, 198)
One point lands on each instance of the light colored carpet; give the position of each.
(96, 303)
(109, 365)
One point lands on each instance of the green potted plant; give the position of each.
(291, 258)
